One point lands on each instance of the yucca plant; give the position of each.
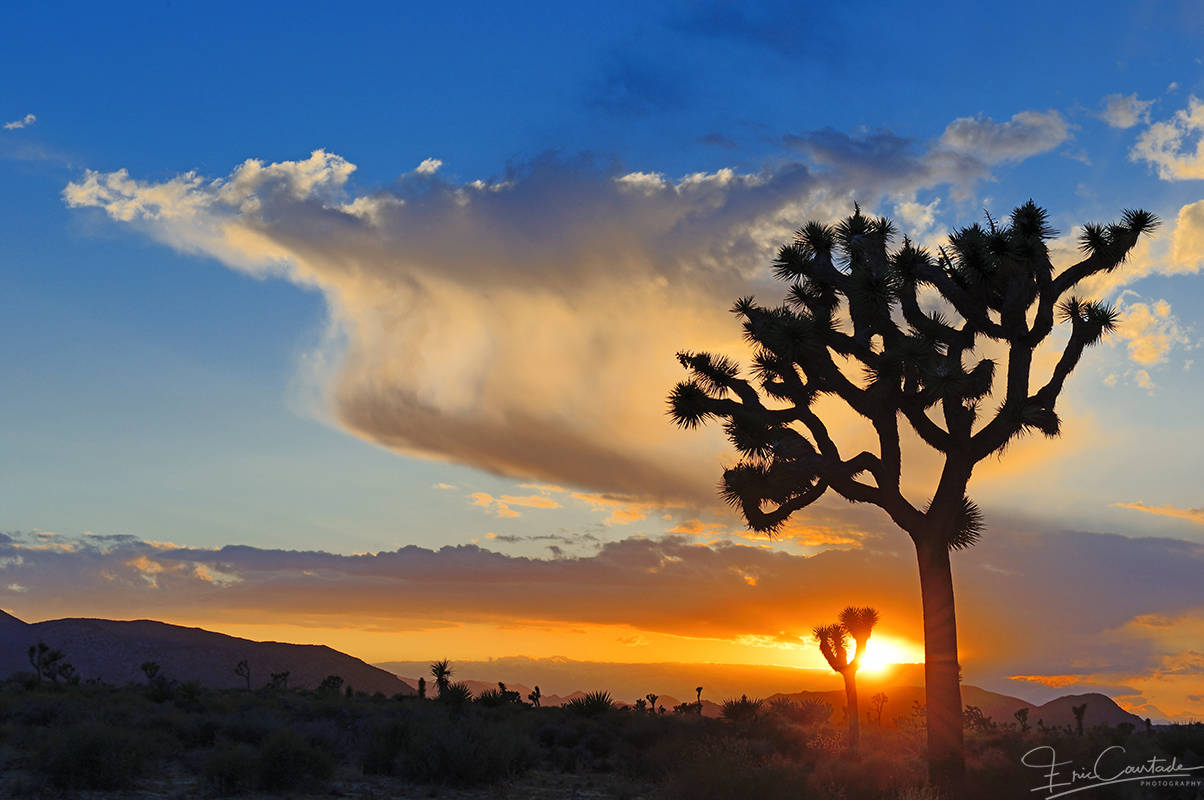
(441, 671)
(855, 299)
(592, 703)
(741, 710)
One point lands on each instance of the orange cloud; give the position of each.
(1195, 515)
(1055, 681)
(501, 506)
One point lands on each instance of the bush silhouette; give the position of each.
(91, 755)
(287, 761)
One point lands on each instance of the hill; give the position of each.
(113, 651)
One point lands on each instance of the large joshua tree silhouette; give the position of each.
(833, 640)
(853, 301)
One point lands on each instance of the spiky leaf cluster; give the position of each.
(834, 645)
(912, 320)
(859, 622)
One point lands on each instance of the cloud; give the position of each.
(501, 506)
(1195, 515)
(527, 324)
(633, 86)
(1125, 110)
(1167, 145)
(429, 166)
(719, 140)
(1148, 330)
(963, 154)
(760, 26)
(24, 122)
(1187, 239)
(1026, 134)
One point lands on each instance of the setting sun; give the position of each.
(882, 651)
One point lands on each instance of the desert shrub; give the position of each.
(592, 703)
(231, 768)
(286, 761)
(90, 755)
(879, 772)
(248, 728)
(382, 748)
(1180, 740)
(741, 710)
(464, 751)
(455, 694)
(720, 769)
(807, 712)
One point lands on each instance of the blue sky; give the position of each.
(171, 385)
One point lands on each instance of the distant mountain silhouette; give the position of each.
(113, 651)
(1101, 709)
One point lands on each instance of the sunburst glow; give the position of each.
(882, 651)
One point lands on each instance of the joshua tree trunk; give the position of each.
(942, 680)
(850, 696)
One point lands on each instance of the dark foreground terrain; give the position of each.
(168, 739)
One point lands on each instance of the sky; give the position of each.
(356, 325)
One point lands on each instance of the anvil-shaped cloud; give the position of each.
(527, 324)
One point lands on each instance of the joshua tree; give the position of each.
(151, 670)
(878, 701)
(331, 683)
(853, 301)
(534, 696)
(441, 671)
(1079, 711)
(243, 670)
(66, 671)
(1021, 716)
(652, 698)
(422, 688)
(280, 680)
(834, 644)
(45, 661)
(698, 694)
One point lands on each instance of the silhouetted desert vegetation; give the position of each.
(166, 738)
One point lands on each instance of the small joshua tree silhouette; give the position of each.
(1021, 716)
(534, 696)
(698, 692)
(1079, 712)
(151, 670)
(652, 698)
(833, 643)
(279, 680)
(422, 688)
(45, 661)
(878, 701)
(243, 670)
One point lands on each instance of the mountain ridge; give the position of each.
(114, 650)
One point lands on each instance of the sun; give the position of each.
(882, 651)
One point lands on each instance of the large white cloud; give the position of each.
(526, 324)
